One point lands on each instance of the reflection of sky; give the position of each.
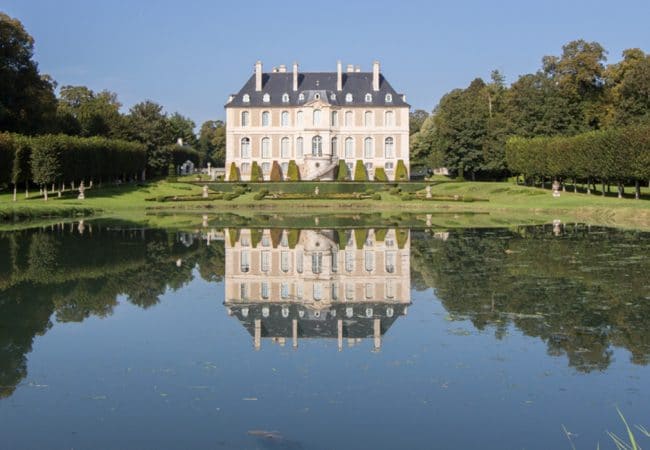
(182, 374)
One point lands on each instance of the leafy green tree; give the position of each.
(83, 112)
(628, 89)
(234, 172)
(343, 173)
(293, 172)
(380, 174)
(27, 101)
(416, 120)
(360, 171)
(212, 142)
(46, 162)
(256, 172)
(401, 173)
(182, 127)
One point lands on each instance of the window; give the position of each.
(367, 148)
(243, 292)
(266, 119)
(389, 166)
(301, 97)
(266, 98)
(284, 242)
(333, 96)
(389, 119)
(284, 294)
(317, 146)
(285, 168)
(246, 98)
(348, 97)
(368, 166)
(284, 119)
(299, 118)
(244, 118)
(266, 168)
(368, 98)
(285, 148)
(299, 147)
(349, 148)
(317, 262)
(349, 291)
(370, 293)
(390, 289)
(389, 147)
(334, 143)
(317, 96)
(350, 167)
(367, 119)
(389, 98)
(265, 263)
(318, 291)
(285, 98)
(369, 258)
(390, 262)
(266, 148)
(245, 148)
(299, 262)
(264, 289)
(335, 291)
(284, 261)
(299, 291)
(349, 260)
(335, 260)
(335, 118)
(316, 117)
(246, 167)
(245, 263)
(265, 239)
(348, 118)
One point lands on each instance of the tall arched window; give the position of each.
(367, 148)
(335, 118)
(317, 146)
(316, 117)
(284, 119)
(299, 118)
(266, 148)
(244, 118)
(349, 148)
(389, 147)
(266, 119)
(299, 147)
(367, 119)
(389, 119)
(348, 118)
(334, 143)
(245, 148)
(285, 149)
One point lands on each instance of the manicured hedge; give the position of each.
(360, 171)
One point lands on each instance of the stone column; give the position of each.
(294, 332)
(377, 334)
(339, 326)
(258, 334)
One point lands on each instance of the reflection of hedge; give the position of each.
(360, 237)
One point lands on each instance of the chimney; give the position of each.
(258, 76)
(375, 75)
(357, 68)
(339, 76)
(295, 76)
(350, 68)
(282, 68)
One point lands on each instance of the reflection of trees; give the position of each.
(77, 276)
(582, 292)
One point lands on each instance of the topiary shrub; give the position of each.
(360, 237)
(342, 173)
(401, 174)
(360, 172)
(293, 172)
(261, 194)
(380, 174)
(276, 172)
(256, 172)
(234, 172)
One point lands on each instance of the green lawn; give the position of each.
(505, 203)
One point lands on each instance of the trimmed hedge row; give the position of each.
(615, 155)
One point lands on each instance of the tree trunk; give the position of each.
(637, 189)
(609, 188)
(575, 185)
(45, 193)
(603, 188)
(619, 188)
(26, 189)
(15, 190)
(588, 186)
(72, 184)
(52, 188)
(473, 176)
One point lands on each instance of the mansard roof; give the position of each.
(276, 84)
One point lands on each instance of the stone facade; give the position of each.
(318, 287)
(317, 119)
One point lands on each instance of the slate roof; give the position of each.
(309, 83)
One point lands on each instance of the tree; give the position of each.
(380, 174)
(343, 173)
(256, 172)
(401, 174)
(360, 171)
(46, 162)
(212, 142)
(416, 119)
(27, 101)
(628, 89)
(182, 127)
(84, 113)
(234, 172)
(293, 172)
(276, 172)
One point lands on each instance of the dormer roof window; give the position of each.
(266, 98)
(246, 98)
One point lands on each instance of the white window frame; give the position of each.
(285, 147)
(245, 118)
(266, 119)
(389, 148)
(266, 148)
(245, 148)
(368, 148)
(284, 118)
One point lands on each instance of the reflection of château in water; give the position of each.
(292, 284)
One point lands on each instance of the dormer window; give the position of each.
(389, 98)
(285, 98)
(266, 98)
(317, 96)
(368, 98)
(301, 97)
(333, 97)
(348, 97)
(246, 98)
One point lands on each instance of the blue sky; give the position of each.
(189, 55)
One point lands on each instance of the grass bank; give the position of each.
(503, 203)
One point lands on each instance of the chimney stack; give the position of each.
(295, 76)
(350, 68)
(282, 68)
(339, 76)
(258, 76)
(375, 75)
